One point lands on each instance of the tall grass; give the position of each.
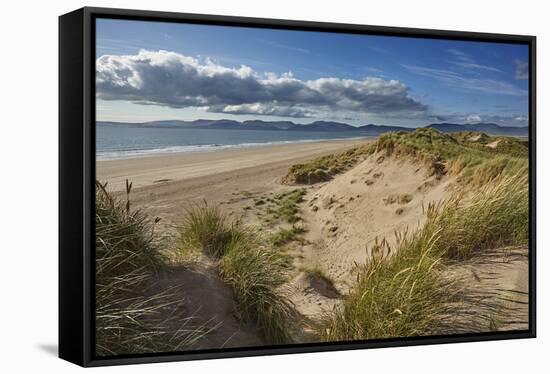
(324, 168)
(257, 273)
(403, 292)
(497, 215)
(205, 227)
(254, 270)
(130, 318)
(474, 162)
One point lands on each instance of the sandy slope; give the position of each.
(345, 216)
(165, 185)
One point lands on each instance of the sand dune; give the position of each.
(343, 218)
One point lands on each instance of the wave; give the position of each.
(104, 155)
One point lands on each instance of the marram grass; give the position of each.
(405, 292)
(129, 318)
(254, 270)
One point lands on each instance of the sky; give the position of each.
(149, 71)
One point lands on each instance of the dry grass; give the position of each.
(255, 271)
(472, 161)
(324, 168)
(403, 292)
(130, 318)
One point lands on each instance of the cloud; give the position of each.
(455, 79)
(173, 80)
(473, 118)
(467, 62)
(459, 55)
(266, 109)
(522, 69)
(472, 65)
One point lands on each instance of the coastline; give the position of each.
(158, 168)
(166, 185)
(104, 155)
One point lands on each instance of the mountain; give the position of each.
(269, 125)
(380, 129)
(488, 128)
(323, 126)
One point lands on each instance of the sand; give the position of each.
(153, 170)
(166, 185)
(346, 216)
(343, 218)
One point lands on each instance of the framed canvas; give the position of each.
(237, 186)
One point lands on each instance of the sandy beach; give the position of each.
(340, 225)
(164, 185)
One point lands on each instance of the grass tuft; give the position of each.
(324, 168)
(253, 269)
(205, 228)
(404, 292)
(257, 273)
(283, 236)
(129, 318)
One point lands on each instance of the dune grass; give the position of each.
(128, 318)
(287, 205)
(403, 292)
(437, 149)
(247, 262)
(465, 155)
(256, 274)
(324, 168)
(283, 236)
(205, 228)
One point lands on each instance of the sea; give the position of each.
(115, 141)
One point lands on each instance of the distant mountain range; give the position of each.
(324, 126)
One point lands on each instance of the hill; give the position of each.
(323, 126)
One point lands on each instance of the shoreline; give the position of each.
(208, 148)
(155, 170)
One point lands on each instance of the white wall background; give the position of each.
(28, 183)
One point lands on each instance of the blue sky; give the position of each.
(151, 70)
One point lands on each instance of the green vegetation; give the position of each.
(205, 228)
(287, 205)
(461, 152)
(256, 273)
(464, 154)
(405, 294)
(128, 320)
(283, 207)
(254, 270)
(401, 291)
(283, 236)
(324, 168)
(497, 215)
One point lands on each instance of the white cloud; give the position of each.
(473, 118)
(455, 79)
(173, 80)
(465, 61)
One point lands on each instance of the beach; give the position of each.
(308, 226)
(164, 185)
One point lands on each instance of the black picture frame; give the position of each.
(77, 174)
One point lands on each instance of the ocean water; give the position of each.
(120, 142)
